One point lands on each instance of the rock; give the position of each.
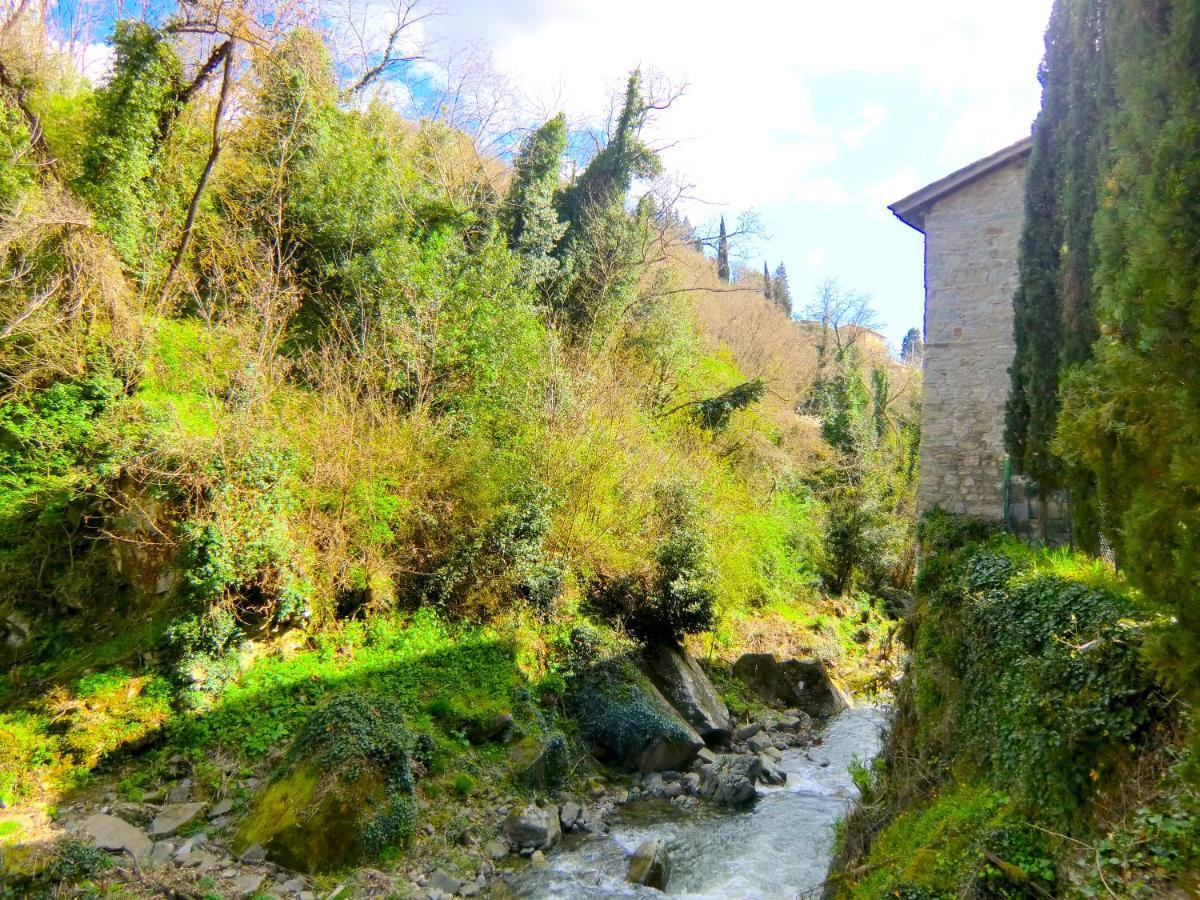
(110, 833)
(770, 774)
(691, 783)
(293, 885)
(745, 732)
(760, 742)
(247, 883)
(221, 808)
(441, 881)
(494, 850)
(328, 809)
(533, 827)
(201, 861)
(652, 785)
(622, 714)
(172, 817)
(704, 756)
(671, 791)
(650, 865)
(806, 684)
(16, 630)
(181, 793)
(538, 858)
(730, 779)
(773, 753)
(161, 853)
(688, 689)
(568, 815)
(253, 854)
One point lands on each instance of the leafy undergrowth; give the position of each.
(1032, 753)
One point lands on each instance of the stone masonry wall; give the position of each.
(971, 239)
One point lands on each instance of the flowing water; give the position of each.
(778, 848)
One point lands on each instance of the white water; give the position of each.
(780, 847)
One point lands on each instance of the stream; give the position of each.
(779, 847)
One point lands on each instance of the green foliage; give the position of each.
(1131, 416)
(122, 150)
(530, 219)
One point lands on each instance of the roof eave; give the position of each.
(912, 209)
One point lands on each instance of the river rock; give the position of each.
(730, 779)
(110, 833)
(770, 774)
(533, 827)
(760, 742)
(686, 687)
(495, 851)
(568, 815)
(650, 865)
(441, 881)
(747, 731)
(805, 684)
(172, 817)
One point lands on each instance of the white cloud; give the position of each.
(746, 132)
(814, 258)
(880, 194)
(872, 117)
(823, 190)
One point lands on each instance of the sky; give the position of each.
(816, 115)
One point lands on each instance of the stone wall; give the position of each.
(971, 239)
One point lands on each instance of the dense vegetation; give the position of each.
(1110, 249)
(302, 398)
(1033, 753)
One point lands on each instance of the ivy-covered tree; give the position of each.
(121, 151)
(529, 218)
(723, 253)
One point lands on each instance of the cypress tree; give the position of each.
(781, 291)
(1054, 322)
(1132, 415)
(767, 292)
(723, 254)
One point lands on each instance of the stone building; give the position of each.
(972, 222)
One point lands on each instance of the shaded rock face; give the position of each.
(730, 779)
(650, 865)
(804, 684)
(621, 712)
(343, 792)
(683, 683)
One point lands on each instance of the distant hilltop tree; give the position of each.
(781, 291)
(723, 253)
(912, 348)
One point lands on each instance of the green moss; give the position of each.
(344, 791)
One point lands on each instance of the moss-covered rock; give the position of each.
(621, 712)
(343, 793)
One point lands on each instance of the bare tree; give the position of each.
(841, 316)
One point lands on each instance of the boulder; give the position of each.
(541, 764)
(730, 779)
(342, 793)
(805, 684)
(650, 865)
(770, 774)
(747, 731)
(760, 742)
(622, 714)
(568, 814)
(110, 833)
(172, 817)
(533, 827)
(684, 685)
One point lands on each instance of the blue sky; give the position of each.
(816, 115)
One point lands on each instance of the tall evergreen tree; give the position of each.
(723, 254)
(912, 348)
(767, 292)
(1053, 318)
(529, 218)
(1132, 415)
(781, 291)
